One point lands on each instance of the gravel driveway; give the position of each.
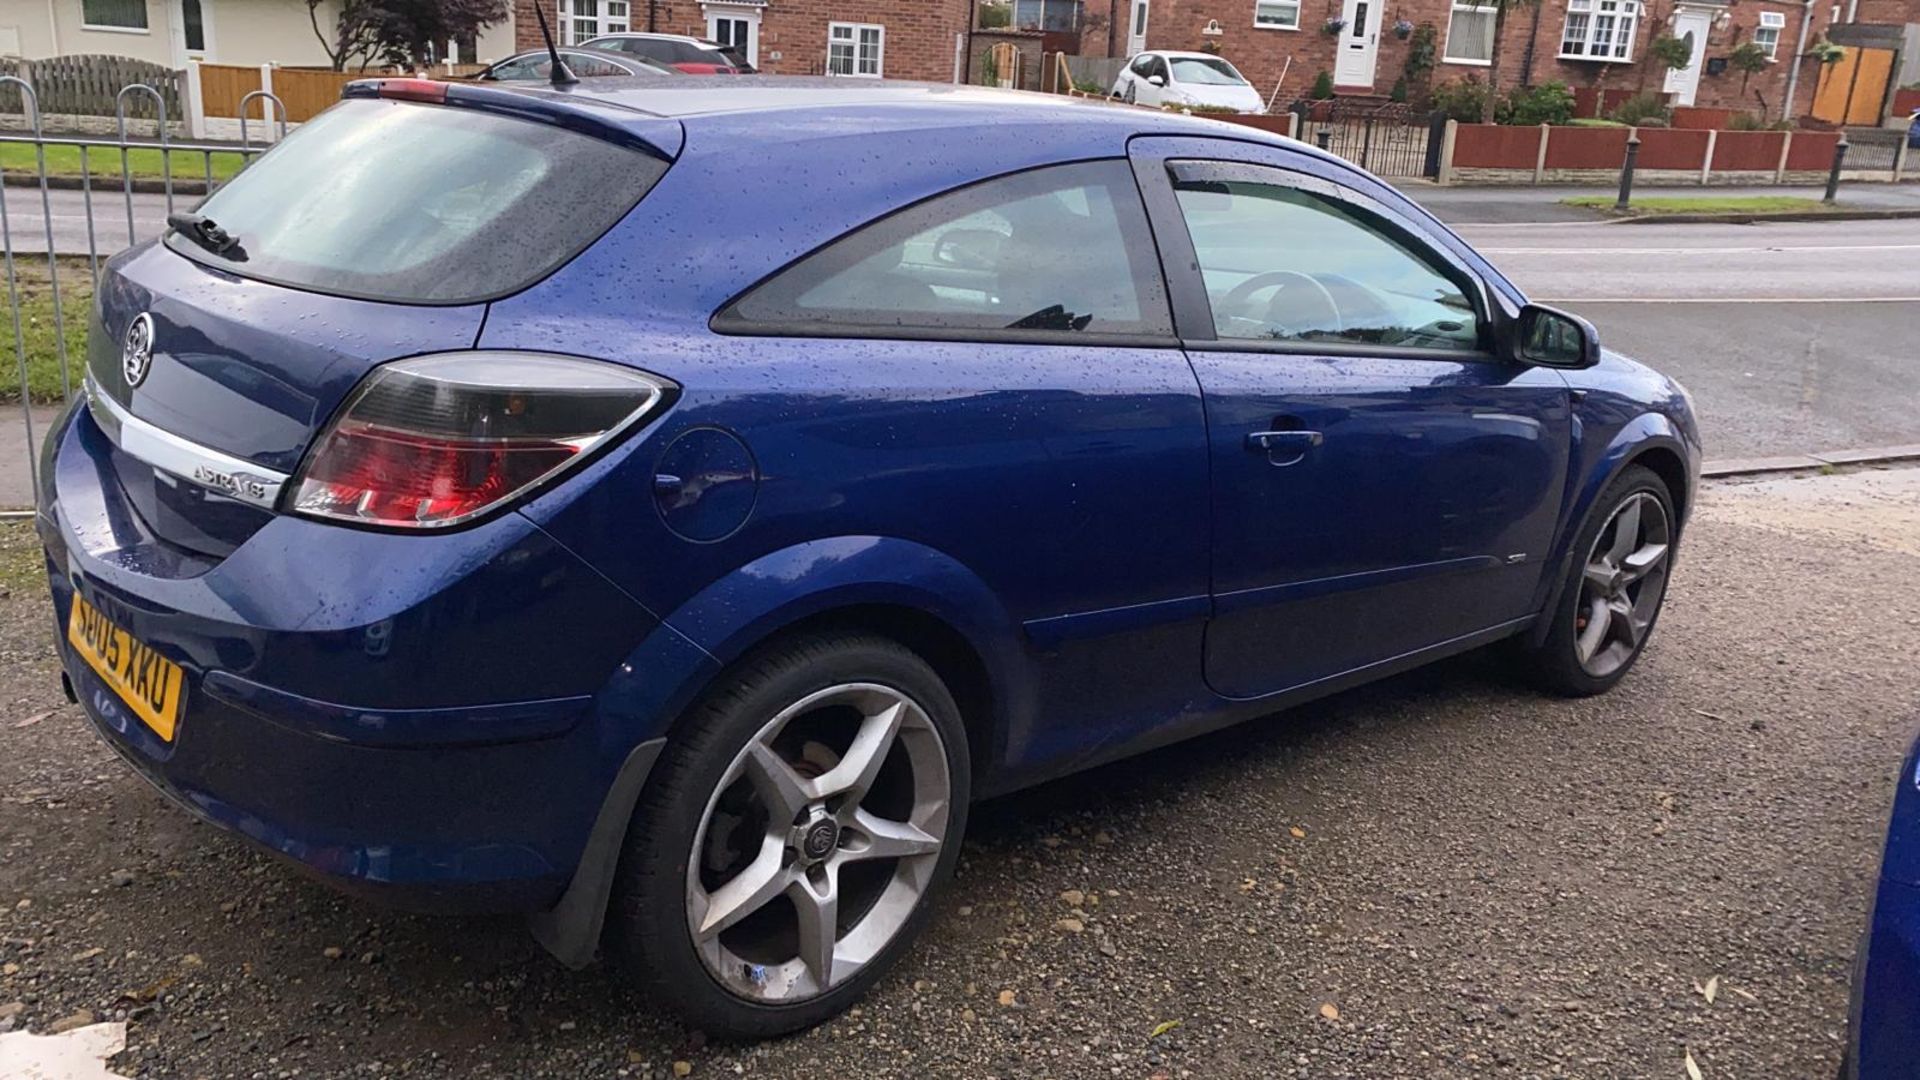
(1440, 876)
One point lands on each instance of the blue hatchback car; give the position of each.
(1885, 1028)
(661, 508)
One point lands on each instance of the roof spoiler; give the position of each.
(654, 135)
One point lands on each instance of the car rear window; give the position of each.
(407, 202)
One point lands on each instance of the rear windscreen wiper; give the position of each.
(201, 230)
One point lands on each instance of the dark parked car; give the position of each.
(663, 508)
(536, 66)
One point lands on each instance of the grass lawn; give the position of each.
(36, 325)
(22, 565)
(1703, 204)
(143, 163)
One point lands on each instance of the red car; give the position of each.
(685, 54)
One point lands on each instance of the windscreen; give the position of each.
(391, 200)
(1207, 72)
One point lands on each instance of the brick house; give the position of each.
(861, 38)
(1599, 44)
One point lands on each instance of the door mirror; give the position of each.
(1553, 338)
(1156, 80)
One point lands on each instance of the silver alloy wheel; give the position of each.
(1621, 587)
(795, 826)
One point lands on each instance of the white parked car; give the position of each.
(1186, 78)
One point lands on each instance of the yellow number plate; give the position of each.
(149, 683)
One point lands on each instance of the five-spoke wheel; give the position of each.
(786, 847)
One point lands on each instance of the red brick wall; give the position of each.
(1262, 54)
(1888, 11)
(919, 37)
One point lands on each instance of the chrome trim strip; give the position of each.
(233, 477)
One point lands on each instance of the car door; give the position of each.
(1150, 94)
(1384, 483)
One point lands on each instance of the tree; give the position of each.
(1747, 58)
(1500, 10)
(401, 32)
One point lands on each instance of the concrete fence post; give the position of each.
(266, 78)
(1540, 158)
(1900, 159)
(1293, 125)
(195, 103)
(1786, 147)
(1706, 163)
(1446, 152)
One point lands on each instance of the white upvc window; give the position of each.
(1470, 33)
(584, 20)
(1767, 34)
(856, 49)
(1276, 14)
(1600, 30)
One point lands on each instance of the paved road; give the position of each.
(1481, 205)
(1793, 337)
(1484, 882)
(26, 221)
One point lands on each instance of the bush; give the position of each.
(1399, 91)
(1670, 52)
(1645, 109)
(996, 16)
(1463, 99)
(1322, 86)
(1548, 103)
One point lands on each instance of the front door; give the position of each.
(1383, 482)
(1359, 43)
(1137, 29)
(739, 30)
(1691, 27)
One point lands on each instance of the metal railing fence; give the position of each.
(84, 187)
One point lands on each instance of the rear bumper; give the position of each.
(423, 719)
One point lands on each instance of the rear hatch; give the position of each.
(379, 230)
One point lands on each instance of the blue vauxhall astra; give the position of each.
(660, 508)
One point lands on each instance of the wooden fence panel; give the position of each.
(306, 93)
(86, 85)
(223, 85)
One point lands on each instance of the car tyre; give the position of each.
(722, 893)
(1614, 590)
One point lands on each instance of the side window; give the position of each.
(1282, 263)
(515, 69)
(1142, 66)
(590, 66)
(1159, 68)
(1061, 250)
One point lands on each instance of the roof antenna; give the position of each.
(561, 74)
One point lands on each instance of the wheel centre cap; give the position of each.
(818, 838)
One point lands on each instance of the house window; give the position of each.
(1277, 14)
(1058, 15)
(584, 20)
(1767, 34)
(857, 49)
(114, 14)
(1470, 33)
(193, 26)
(1600, 30)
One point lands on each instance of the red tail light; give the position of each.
(414, 90)
(438, 440)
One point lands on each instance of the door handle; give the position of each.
(1284, 447)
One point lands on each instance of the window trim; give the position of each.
(880, 59)
(727, 320)
(1591, 9)
(1489, 316)
(1453, 8)
(603, 22)
(1297, 12)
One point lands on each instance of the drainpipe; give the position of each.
(1533, 38)
(653, 12)
(1799, 58)
(966, 62)
(53, 27)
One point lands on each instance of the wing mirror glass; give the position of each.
(1554, 338)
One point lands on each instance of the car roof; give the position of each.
(609, 55)
(1178, 54)
(682, 98)
(650, 36)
